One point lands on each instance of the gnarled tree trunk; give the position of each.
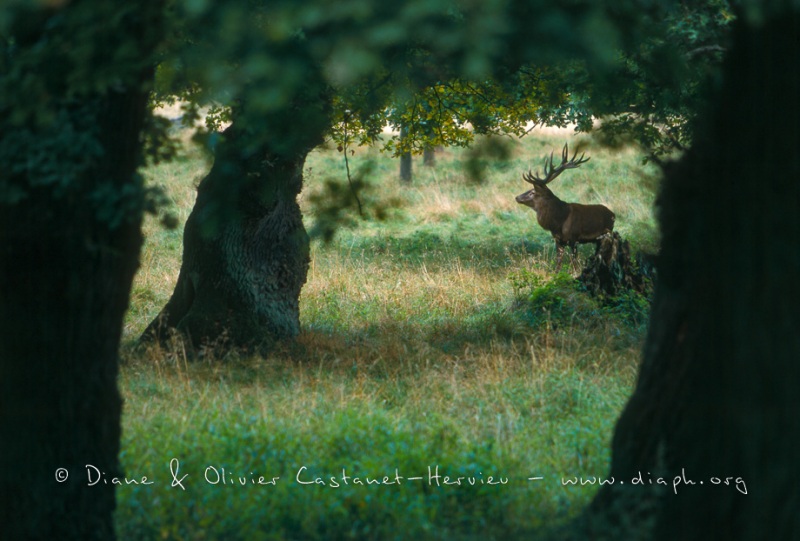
(718, 397)
(245, 253)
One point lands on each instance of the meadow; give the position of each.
(437, 340)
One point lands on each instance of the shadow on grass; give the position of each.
(577, 328)
(439, 251)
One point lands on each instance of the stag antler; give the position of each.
(551, 172)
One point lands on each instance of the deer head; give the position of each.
(540, 194)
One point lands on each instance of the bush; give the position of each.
(560, 300)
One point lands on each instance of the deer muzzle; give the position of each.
(524, 198)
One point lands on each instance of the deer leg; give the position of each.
(560, 252)
(574, 247)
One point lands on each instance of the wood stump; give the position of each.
(611, 271)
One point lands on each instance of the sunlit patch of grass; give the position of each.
(163, 247)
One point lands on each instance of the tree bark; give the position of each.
(246, 252)
(718, 396)
(68, 254)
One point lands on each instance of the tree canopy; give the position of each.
(416, 64)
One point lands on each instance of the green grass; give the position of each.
(437, 335)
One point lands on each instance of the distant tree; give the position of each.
(716, 410)
(429, 156)
(73, 103)
(405, 158)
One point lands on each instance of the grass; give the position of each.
(435, 333)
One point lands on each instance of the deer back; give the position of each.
(586, 223)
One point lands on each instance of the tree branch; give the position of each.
(706, 49)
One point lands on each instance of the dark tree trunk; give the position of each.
(718, 396)
(68, 254)
(405, 160)
(429, 156)
(245, 253)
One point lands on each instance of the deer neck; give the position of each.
(552, 213)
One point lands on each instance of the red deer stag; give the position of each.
(569, 223)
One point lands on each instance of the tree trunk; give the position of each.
(68, 253)
(245, 253)
(429, 156)
(718, 397)
(405, 160)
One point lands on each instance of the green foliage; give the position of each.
(660, 86)
(417, 65)
(549, 295)
(560, 300)
(54, 156)
(554, 300)
(630, 307)
(37, 38)
(65, 67)
(646, 80)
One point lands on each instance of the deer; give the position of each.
(569, 223)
